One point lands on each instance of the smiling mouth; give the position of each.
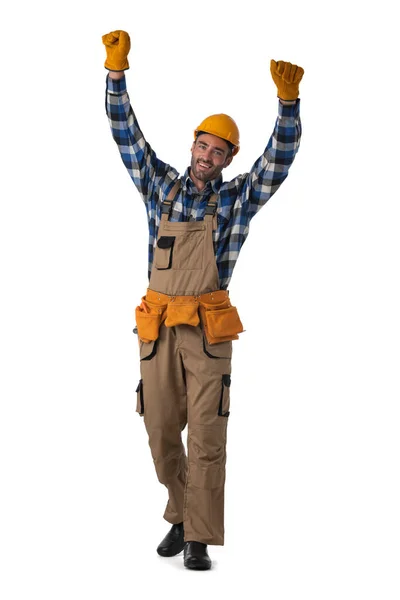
(203, 165)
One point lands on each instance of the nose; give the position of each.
(207, 154)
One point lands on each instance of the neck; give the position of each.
(200, 185)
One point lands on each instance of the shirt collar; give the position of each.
(213, 185)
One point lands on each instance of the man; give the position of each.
(185, 322)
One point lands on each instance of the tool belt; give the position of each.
(220, 320)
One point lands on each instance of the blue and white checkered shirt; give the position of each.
(238, 200)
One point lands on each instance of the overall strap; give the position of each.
(211, 210)
(166, 206)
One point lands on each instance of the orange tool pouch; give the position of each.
(148, 319)
(220, 320)
(182, 313)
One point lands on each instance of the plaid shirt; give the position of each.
(238, 200)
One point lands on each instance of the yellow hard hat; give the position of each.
(222, 126)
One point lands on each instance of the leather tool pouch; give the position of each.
(163, 253)
(148, 320)
(182, 314)
(221, 322)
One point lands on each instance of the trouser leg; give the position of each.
(207, 382)
(164, 410)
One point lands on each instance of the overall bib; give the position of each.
(185, 379)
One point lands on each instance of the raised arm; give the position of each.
(140, 160)
(272, 168)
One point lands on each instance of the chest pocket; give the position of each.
(183, 249)
(163, 254)
(190, 251)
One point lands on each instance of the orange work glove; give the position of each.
(287, 78)
(117, 44)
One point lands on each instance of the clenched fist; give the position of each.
(117, 44)
(287, 78)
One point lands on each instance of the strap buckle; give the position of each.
(166, 207)
(211, 209)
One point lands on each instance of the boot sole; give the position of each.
(198, 567)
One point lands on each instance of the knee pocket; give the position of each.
(207, 456)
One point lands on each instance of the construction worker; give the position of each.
(185, 322)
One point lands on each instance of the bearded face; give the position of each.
(210, 154)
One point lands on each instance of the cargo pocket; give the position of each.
(163, 253)
(147, 350)
(224, 401)
(139, 398)
(220, 350)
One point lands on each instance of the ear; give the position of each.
(228, 161)
(193, 145)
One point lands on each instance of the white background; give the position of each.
(312, 492)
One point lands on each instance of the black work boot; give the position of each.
(173, 542)
(195, 556)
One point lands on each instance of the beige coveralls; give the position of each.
(185, 380)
